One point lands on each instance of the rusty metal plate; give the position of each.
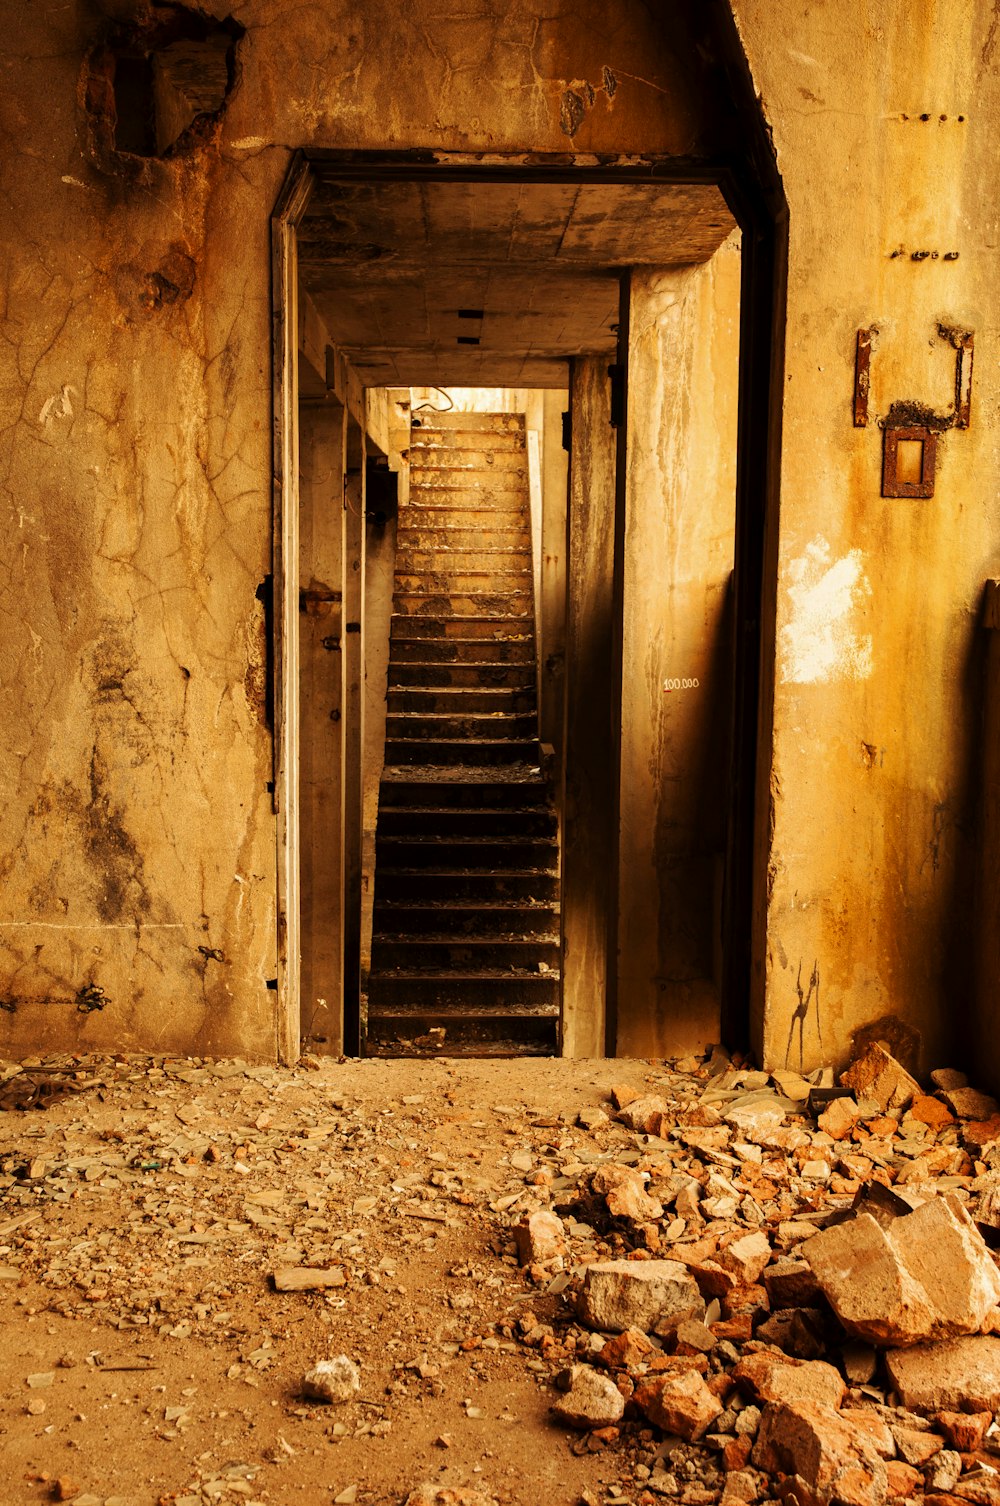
(892, 486)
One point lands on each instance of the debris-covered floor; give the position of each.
(542, 1281)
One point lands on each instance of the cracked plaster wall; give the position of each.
(136, 832)
(137, 844)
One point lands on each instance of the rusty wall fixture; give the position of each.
(910, 472)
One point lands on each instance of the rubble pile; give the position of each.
(782, 1289)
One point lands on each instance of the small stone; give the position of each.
(592, 1119)
(430, 1494)
(839, 1118)
(654, 1295)
(948, 1079)
(915, 1447)
(693, 1337)
(770, 1377)
(304, 1278)
(592, 1400)
(41, 1379)
(964, 1431)
(741, 1485)
(333, 1381)
(35, 1407)
(902, 1479)
(949, 1376)
(539, 1237)
(626, 1350)
(645, 1115)
(945, 1471)
(790, 1283)
(624, 1193)
(860, 1362)
(880, 1077)
(797, 1331)
(680, 1404)
(969, 1103)
(930, 1111)
(747, 1257)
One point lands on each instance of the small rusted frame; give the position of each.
(863, 375)
(891, 485)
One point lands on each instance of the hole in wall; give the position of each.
(155, 87)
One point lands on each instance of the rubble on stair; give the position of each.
(465, 943)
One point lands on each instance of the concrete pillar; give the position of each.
(321, 734)
(354, 658)
(676, 652)
(587, 825)
(552, 627)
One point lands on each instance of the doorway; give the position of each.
(621, 287)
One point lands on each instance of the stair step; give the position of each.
(475, 853)
(465, 750)
(484, 653)
(478, 628)
(447, 822)
(477, 675)
(461, 791)
(460, 700)
(458, 603)
(468, 1046)
(445, 886)
(442, 534)
(454, 460)
(455, 953)
(468, 920)
(445, 577)
(461, 723)
(430, 441)
(468, 419)
(415, 560)
(472, 995)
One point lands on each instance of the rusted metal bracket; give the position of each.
(912, 422)
(863, 375)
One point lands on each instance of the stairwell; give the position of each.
(465, 940)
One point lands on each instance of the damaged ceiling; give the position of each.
(489, 284)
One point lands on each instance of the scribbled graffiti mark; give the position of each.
(801, 1014)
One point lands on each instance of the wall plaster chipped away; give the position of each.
(820, 644)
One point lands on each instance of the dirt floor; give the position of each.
(147, 1357)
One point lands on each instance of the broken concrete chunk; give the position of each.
(927, 1275)
(305, 1278)
(626, 1350)
(335, 1380)
(448, 1495)
(964, 1431)
(860, 1362)
(790, 1283)
(591, 1400)
(680, 1404)
(645, 1115)
(878, 1076)
(969, 1103)
(798, 1331)
(539, 1237)
(915, 1447)
(654, 1295)
(952, 1376)
(624, 1192)
(769, 1377)
(839, 1118)
(747, 1257)
(834, 1459)
(947, 1078)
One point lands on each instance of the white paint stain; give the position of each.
(821, 642)
(59, 405)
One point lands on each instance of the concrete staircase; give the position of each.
(465, 942)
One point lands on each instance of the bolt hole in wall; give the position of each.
(628, 572)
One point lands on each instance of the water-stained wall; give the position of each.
(885, 123)
(138, 837)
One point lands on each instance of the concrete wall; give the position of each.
(680, 518)
(587, 801)
(885, 119)
(138, 836)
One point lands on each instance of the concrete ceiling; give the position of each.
(489, 284)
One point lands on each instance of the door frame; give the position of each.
(752, 189)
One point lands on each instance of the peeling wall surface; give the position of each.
(137, 836)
